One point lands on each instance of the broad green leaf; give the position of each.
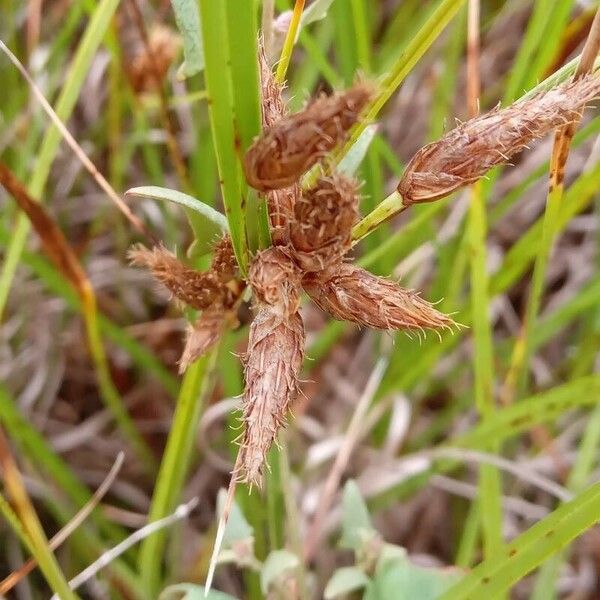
(188, 23)
(344, 581)
(277, 563)
(402, 580)
(497, 575)
(237, 528)
(188, 591)
(356, 523)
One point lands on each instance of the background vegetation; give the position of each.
(405, 456)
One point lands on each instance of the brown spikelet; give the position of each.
(224, 264)
(203, 335)
(467, 152)
(149, 67)
(272, 365)
(324, 216)
(279, 157)
(349, 293)
(274, 357)
(194, 288)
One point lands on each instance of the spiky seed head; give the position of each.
(467, 152)
(224, 263)
(349, 293)
(272, 365)
(196, 289)
(321, 232)
(292, 145)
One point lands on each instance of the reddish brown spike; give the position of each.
(467, 152)
(194, 288)
(291, 146)
(322, 229)
(349, 293)
(272, 365)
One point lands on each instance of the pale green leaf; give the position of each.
(344, 581)
(356, 523)
(187, 17)
(188, 591)
(277, 563)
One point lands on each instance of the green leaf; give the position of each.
(496, 575)
(187, 591)
(188, 23)
(206, 222)
(237, 529)
(401, 580)
(315, 12)
(356, 523)
(277, 563)
(357, 152)
(344, 581)
(159, 193)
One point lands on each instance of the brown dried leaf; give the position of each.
(272, 364)
(198, 290)
(467, 152)
(322, 230)
(290, 147)
(349, 293)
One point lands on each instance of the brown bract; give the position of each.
(287, 149)
(349, 293)
(470, 150)
(321, 232)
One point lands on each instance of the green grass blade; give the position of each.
(174, 466)
(226, 139)
(530, 549)
(78, 71)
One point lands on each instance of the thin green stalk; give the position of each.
(290, 40)
(175, 464)
(421, 42)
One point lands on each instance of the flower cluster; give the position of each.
(311, 233)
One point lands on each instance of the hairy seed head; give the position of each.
(272, 365)
(292, 145)
(275, 280)
(194, 288)
(203, 335)
(324, 215)
(224, 263)
(467, 152)
(349, 293)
